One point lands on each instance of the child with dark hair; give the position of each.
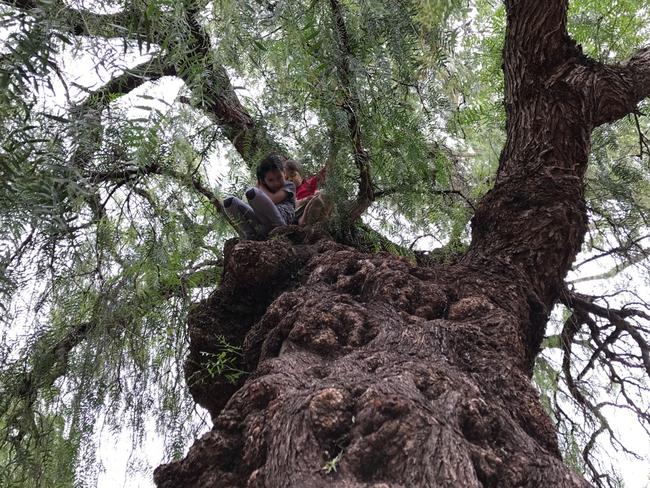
(311, 204)
(270, 204)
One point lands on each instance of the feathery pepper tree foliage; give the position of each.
(117, 121)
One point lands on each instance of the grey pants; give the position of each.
(255, 219)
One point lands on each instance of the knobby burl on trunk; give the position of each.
(400, 375)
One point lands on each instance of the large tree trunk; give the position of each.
(406, 376)
(368, 370)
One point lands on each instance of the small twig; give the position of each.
(417, 239)
(643, 140)
(624, 248)
(456, 192)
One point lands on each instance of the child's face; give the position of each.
(274, 180)
(293, 176)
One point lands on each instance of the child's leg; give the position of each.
(265, 210)
(317, 209)
(243, 216)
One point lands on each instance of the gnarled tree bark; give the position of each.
(369, 370)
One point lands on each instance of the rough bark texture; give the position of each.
(370, 370)
(412, 376)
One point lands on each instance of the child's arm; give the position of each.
(302, 201)
(322, 174)
(277, 197)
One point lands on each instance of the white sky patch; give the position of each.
(96, 6)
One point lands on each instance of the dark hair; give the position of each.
(291, 165)
(270, 163)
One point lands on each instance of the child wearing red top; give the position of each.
(311, 204)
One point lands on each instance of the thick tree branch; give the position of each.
(248, 135)
(619, 88)
(126, 24)
(150, 70)
(214, 93)
(88, 131)
(534, 218)
(87, 124)
(528, 22)
(351, 106)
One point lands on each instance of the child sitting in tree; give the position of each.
(311, 204)
(270, 204)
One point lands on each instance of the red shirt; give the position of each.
(309, 185)
(307, 188)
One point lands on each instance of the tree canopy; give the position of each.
(118, 122)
